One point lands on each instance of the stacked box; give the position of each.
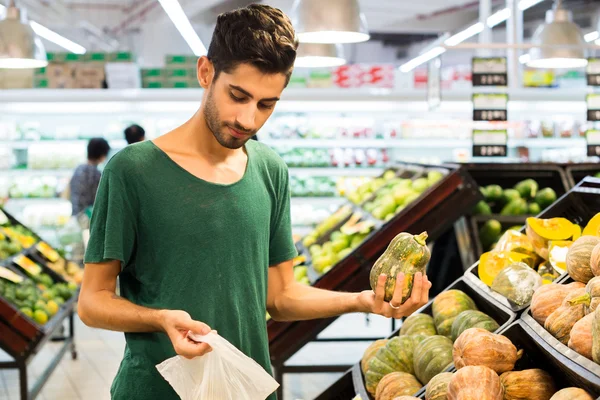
(40, 78)
(181, 71)
(153, 78)
(60, 75)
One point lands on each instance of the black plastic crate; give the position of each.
(498, 312)
(578, 206)
(342, 389)
(478, 221)
(577, 172)
(538, 353)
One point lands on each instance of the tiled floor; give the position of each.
(89, 377)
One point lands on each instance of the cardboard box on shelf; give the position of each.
(153, 84)
(122, 75)
(97, 57)
(89, 76)
(60, 75)
(148, 73)
(121, 56)
(179, 61)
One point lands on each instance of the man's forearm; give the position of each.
(105, 310)
(300, 302)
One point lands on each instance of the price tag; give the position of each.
(10, 276)
(28, 265)
(592, 137)
(48, 252)
(490, 107)
(434, 86)
(593, 106)
(593, 72)
(490, 143)
(490, 71)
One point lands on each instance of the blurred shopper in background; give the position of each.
(134, 134)
(85, 180)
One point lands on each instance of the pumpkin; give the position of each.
(517, 283)
(593, 226)
(541, 231)
(580, 338)
(530, 384)
(491, 263)
(370, 353)
(591, 298)
(397, 384)
(595, 260)
(395, 356)
(432, 356)
(571, 393)
(475, 382)
(437, 388)
(406, 253)
(596, 336)
(472, 319)
(476, 346)
(406, 398)
(548, 298)
(579, 257)
(446, 307)
(421, 324)
(561, 321)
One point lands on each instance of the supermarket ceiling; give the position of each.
(108, 25)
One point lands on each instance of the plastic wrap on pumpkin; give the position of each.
(517, 242)
(491, 263)
(517, 282)
(547, 272)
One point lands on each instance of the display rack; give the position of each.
(435, 212)
(579, 205)
(576, 173)
(22, 338)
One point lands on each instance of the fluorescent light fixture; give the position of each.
(415, 62)
(498, 17)
(318, 62)
(525, 4)
(524, 59)
(464, 35)
(54, 37)
(590, 37)
(183, 25)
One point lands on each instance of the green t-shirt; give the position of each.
(188, 244)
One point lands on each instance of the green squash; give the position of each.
(437, 389)
(472, 319)
(406, 253)
(395, 356)
(418, 324)
(446, 307)
(432, 356)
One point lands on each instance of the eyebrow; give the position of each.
(245, 92)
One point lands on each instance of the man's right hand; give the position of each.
(177, 324)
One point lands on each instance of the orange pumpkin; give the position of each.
(475, 382)
(548, 298)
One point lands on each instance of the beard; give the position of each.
(219, 129)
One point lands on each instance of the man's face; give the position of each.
(239, 103)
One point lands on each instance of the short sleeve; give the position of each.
(281, 244)
(113, 223)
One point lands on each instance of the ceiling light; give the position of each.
(19, 46)
(331, 21)
(319, 55)
(524, 59)
(423, 58)
(52, 36)
(464, 35)
(590, 37)
(498, 17)
(183, 25)
(560, 42)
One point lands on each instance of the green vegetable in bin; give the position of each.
(489, 233)
(545, 198)
(527, 189)
(515, 207)
(534, 209)
(493, 193)
(482, 208)
(420, 185)
(509, 195)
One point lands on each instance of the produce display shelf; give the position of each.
(579, 205)
(507, 221)
(501, 314)
(435, 211)
(577, 172)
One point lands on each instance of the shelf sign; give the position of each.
(593, 72)
(490, 143)
(490, 71)
(592, 137)
(593, 107)
(490, 106)
(434, 85)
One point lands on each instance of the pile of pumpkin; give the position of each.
(521, 263)
(404, 364)
(568, 311)
(485, 365)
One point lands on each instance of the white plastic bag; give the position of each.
(223, 374)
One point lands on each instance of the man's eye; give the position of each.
(266, 106)
(235, 98)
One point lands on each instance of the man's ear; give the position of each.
(206, 72)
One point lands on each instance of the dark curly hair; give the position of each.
(258, 34)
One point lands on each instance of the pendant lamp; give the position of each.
(329, 21)
(318, 55)
(19, 45)
(561, 42)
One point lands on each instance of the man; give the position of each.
(85, 180)
(197, 222)
(135, 134)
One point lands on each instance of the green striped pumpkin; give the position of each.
(418, 324)
(446, 307)
(432, 356)
(472, 319)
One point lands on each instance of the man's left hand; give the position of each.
(372, 302)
